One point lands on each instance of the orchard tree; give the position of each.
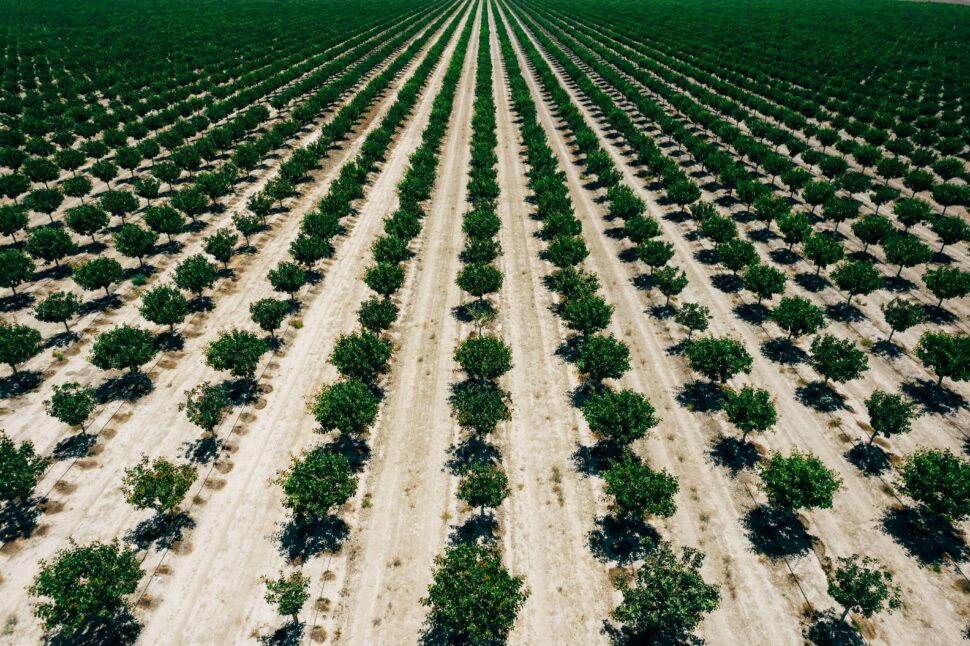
(798, 316)
(191, 202)
(911, 211)
(221, 245)
(718, 359)
(823, 249)
(719, 229)
(50, 244)
(863, 585)
(639, 229)
(670, 282)
(819, 192)
(385, 278)
(86, 220)
(948, 355)
(484, 358)
(480, 406)
(655, 253)
(901, 315)
(18, 343)
(940, 482)
(205, 405)
(694, 317)
(237, 352)
(472, 596)
(889, 414)
(16, 268)
(751, 410)
(348, 406)
(268, 314)
(247, 225)
(316, 482)
(148, 187)
(391, 249)
(950, 229)
(837, 359)
(158, 484)
(72, 404)
(98, 273)
(21, 468)
(13, 218)
(765, 281)
(668, 598)
(567, 251)
(44, 200)
(288, 594)
(483, 485)
(132, 241)
(84, 586)
(857, 278)
(947, 282)
(621, 416)
(59, 307)
(362, 355)
(479, 280)
(800, 481)
(638, 491)
(795, 227)
(587, 314)
(906, 250)
(840, 209)
(164, 305)
(164, 220)
(118, 203)
(603, 357)
(287, 278)
(377, 314)
(737, 254)
(883, 195)
(195, 274)
(872, 229)
(769, 208)
(123, 347)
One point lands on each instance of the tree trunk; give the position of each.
(844, 614)
(66, 327)
(939, 382)
(899, 271)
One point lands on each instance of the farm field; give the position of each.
(485, 321)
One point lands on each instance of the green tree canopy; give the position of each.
(718, 359)
(158, 484)
(800, 481)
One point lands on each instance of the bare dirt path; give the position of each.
(933, 599)
(410, 488)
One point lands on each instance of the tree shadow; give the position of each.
(735, 455)
(624, 636)
(169, 342)
(593, 460)
(18, 519)
(56, 272)
(474, 450)
(478, 528)
(783, 351)
(777, 533)
(934, 398)
(707, 256)
(844, 313)
(821, 397)
(622, 539)
(19, 383)
(628, 255)
(897, 284)
(61, 339)
(303, 537)
(762, 235)
(939, 315)
(353, 447)
(73, 447)
(753, 313)
(162, 530)
(784, 256)
(888, 349)
(701, 396)
(812, 282)
(929, 540)
(118, 630)
(828, 630)
(128, 387)
(662, 312)
(727, 283)
(289, 634)
(466, 313)
(203, 450)
(100, 304)
(200, 303)
(644, 282)
(16, 302)
(678, 348)
(869, 458)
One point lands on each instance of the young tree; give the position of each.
(837, 359)
(206, 405)
(132, 241)
(118, 203)
(86, 220)
(587, 314)
(362, 355)
(901, 315)
(872, 229)
(621, 417)
(164, 305)
(347, 406)
(59, 307)
(483, 485)
(948, 355)
(765, 281)
(862, 585)
(385, 278)
(479, 280)
(21, 468)
(221, 245)
(883, 195)
(857, 278)
(473, 596)
(769, 208)
(288, 594)
(719, 229)
(947, 282)
(800, 481)
(123, 347)
(195, 274)
(377, 314)
(670, 282)
(159, 485)
(750, 410)
(603, 357)
(16, 268)
(316, 482)
(148, 187)
(166, 172)
(840, 209)
(237, 352)
(268, 314)
(950, 229)
(889, 414)
(910, 211)
(18, 343)
(819, 192)
(484, 358)
(655, 253)
(164, 220)
(98, 273)
(694, 317)
(940, 482)
(736, 254)
(798, 316)
(906, 250)
(639, 491)
(13, 218)
(190, 201)
(718, 359)
(84, 585)
(72, 404)
(823, 249)
(669, 596)
(247, 225)
(50, 244)
(44, 200)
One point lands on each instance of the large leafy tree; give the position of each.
(718, 359)
(948, 355)
(86, 220)
(16, 268)
(205, 405)
(268, 314)
(98, 273)
(316, 482)
(50, 244)
(620, 416)
(587, 314)
(237, 352)
(164, 305)
(473, 596)
(348, 406)
(823, 249)
(800, 481)
(18, 343)
(288, 594)
(906, 250)
(889, 414)
(603, 357)
(71, 403)
(486, 357)
(947, 282)
(59, 307)
(639, 491)
(483, 485)
(901, 315)
(837, 359)
(863, 585)
(288, 278)
(20, 468)
(798, 316)
(765, 281)
(362, 355)
(751, 410)
(158, 484)
(939, 481)
(857, 278)
(123, 347)
(132, 241)
(480, 406)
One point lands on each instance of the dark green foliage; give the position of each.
(164, 220)
(670, 282)
(132, 241)
(16, 268)
(384, 278)
(639, 229)
(195, 274)
(798, 316)
(50, 244)
(863, 585)
(268, 313)
(59, 307)
(566, 251)
(872, 229)
(18, 343)
(799, 481)
(737, 254)
(622, 417)
(483, 485)
(764, 280)
(486, 357)
(719, 229)
(316, 482)
(939, 481)
(377, 314)
(837, 359)
(795, 227)
(362, 355)
(480, 406)
(159, 485)
(221, 245)
(694, 317)
(901, 315)
(390, 249)
(603, 357)
(288, 593)
(287, 278)
(751, 410)
(347, 406)
(237, 352)
(823, 249)
(71, 403)
(948, 355)
(479, 279)
(856, 278)
(307, 250)
(13, 218)
(571, 283)
(98, 273)
(947, 282)
(655, 253)
(123, 347)
(206, 405)
(86, 220)
(718, 359)
(20, 469)
(164, 305)
(889, 414)
(587, 314)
